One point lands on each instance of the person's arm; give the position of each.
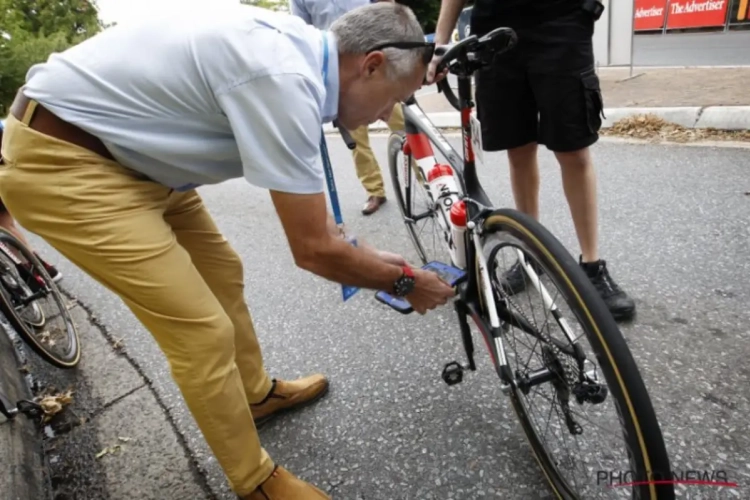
(277, 126)
(298, 8)
(319, 250)
(276, 120)
(450, 10)
(389, 257)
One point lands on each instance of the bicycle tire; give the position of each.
(640, 426)
(395, 146)
(72, 357)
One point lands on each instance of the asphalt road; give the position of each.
(692, 49)
(674, 229)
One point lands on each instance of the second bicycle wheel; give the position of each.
(418, 210)
(34, 306)
(579, 395)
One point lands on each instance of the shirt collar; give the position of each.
(331, 104)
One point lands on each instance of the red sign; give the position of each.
(696, 13)
(649, 15)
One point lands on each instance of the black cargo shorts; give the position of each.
(545, 90)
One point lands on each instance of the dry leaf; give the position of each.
(53, 404)
(650, 126)
(109, 450)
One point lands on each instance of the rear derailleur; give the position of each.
(585, 389)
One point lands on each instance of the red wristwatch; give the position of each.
(405, 284)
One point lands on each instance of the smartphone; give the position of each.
(451, 275)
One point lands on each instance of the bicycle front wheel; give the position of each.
(425, 223)
(34, 306)
(578, 393)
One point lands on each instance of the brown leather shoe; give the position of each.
(286, 396)
(373, 204)
(283, 485)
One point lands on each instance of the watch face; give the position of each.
(404, 286)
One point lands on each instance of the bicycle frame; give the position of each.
(420, 135)
(475, 296)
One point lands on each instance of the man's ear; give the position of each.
(372, 62)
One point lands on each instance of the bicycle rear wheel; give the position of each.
(548, 363)
(420, 214)
(34, 306)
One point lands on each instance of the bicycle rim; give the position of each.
(23, 278)
(634, 428)
(429, 239)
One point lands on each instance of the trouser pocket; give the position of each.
(592, 95)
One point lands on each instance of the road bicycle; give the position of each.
(586, 374)
(37, 311)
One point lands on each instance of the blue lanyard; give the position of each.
(324, 149)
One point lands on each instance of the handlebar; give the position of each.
(469, 55)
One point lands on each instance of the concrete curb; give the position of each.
(22, 461)
(718, 117)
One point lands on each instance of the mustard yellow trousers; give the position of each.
(368, 170)
(162, 254)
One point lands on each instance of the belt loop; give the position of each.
(28, 113)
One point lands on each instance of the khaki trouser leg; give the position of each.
(116, 227)
(368, 170)
(222, 270)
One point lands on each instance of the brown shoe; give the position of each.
(283, 485)
(373, 204)
(286, 396)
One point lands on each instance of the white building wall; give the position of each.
(613, 34)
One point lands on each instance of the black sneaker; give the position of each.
(515, 279)
(618, 302)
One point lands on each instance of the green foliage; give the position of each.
(427, 12)
(34, 29)
(275, 5)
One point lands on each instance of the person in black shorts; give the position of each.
(8, 222)
(544, 91)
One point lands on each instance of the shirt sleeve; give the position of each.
(277, 125)
(297, 8)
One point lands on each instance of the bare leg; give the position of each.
(7, 222)
(579, 183)
(524, 178)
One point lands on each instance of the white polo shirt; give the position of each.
(202, 97)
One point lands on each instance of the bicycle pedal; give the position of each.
(453, 373)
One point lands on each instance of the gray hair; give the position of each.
(361, 29)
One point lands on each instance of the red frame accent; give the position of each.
(466, 124)
(419, 146)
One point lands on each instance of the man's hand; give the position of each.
(447, 19)
(429, 291)
(431, 77)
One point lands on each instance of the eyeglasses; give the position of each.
(428, 48)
